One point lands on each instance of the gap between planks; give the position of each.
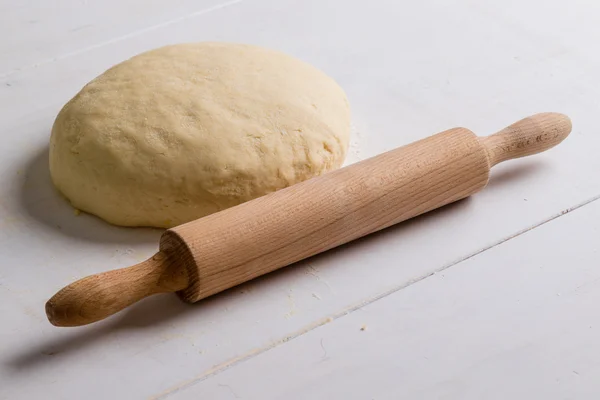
(119, 38)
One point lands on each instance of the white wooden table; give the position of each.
(495, 297)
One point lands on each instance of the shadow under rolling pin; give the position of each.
(222, 250)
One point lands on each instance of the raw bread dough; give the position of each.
(186, 130)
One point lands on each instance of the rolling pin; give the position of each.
(222, 250)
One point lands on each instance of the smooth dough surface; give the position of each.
(186, 130)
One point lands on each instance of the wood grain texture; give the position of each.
(96, 297)
(529, 136)
(222, 250)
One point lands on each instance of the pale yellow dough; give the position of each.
(186, 130)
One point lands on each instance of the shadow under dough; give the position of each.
(40, 200)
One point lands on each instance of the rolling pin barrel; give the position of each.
(241, 243)
(222, 250)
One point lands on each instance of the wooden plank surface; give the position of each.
(410, 70)
(519, 321)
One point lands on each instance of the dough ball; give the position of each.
(186, 130)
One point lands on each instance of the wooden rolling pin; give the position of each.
(219, 251)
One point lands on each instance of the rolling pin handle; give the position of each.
(528, 136)
(98, 296)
